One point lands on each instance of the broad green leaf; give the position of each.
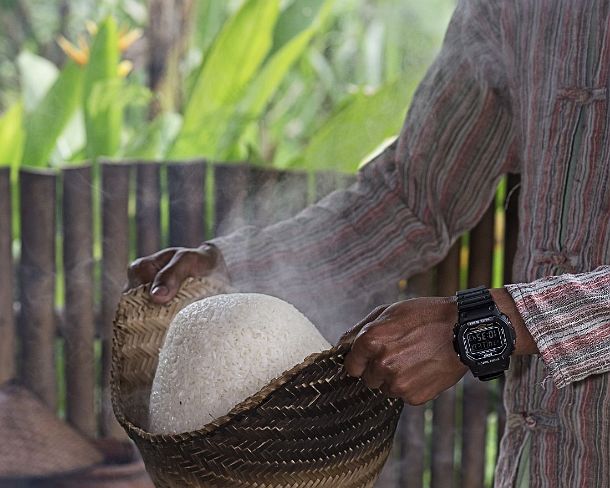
(12, 135)
(268, 80)
(358, 127)
(298, 16)
(103, 123)
(45, 124)
(232, 61)
(154, 141)
(36, 76)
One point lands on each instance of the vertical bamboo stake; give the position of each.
(476, 404)
(8, 344)
(79, 327)
(412, 428)
(443, 431)
(37, 283)
(115, 257)
(186, 184)
(148, 211)
(231, 197)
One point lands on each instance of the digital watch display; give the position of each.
(484, 338)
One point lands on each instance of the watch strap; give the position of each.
(475, 303)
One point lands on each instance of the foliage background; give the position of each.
(291, 83)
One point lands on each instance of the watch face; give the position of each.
(484, 340)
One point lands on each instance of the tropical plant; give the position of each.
(299, 83)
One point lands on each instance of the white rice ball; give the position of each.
(222, 349)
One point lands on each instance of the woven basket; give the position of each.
(312, 427)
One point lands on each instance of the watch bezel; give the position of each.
(460, 341)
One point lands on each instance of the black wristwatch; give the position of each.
(483, 337)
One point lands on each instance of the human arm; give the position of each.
(406, 349)
(411, 202)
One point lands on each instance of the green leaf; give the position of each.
(298, 16)
(268, 80)
(36, 76)
(360, 126)
(154, 141)
(12, 135)
(44, 125)
(232, 61)
(103, 122)
(266, 83)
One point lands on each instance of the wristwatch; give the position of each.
(483, 336)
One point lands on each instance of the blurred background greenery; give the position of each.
(311, 84)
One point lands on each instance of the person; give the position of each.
(519, 86)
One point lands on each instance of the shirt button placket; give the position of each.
(529, 421)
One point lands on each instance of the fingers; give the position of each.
(144, 270)
(183, 264)
(364, 349)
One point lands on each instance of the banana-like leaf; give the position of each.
(12, 135)
(360, 126)
(298, 16)
(103, 122)
(232, 61)
(36, 76)
(154, 140)
(46, 122)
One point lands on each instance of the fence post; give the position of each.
(148, 210)
(231, 197)
(8, 344)
(413, 421)
(186, 185)
(443, 409)
(115, 258)
(37, 283)
(476, 393)
(79, 325)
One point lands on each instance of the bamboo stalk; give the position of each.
(186, 184)
(79, 326)
(443, 430)
(476, 402)
(8, 344)
(115, 252)
(148, 211)
(37, 283)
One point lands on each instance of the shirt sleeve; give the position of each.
(411, 202)
(569, 319)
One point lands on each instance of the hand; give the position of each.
(167, 269)
(406, 350)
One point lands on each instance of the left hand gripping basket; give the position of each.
(311, 427)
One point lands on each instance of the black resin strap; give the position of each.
(475, 303)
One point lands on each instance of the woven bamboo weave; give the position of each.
(312, 427)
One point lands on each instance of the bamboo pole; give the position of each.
(231, 197)
(443, 410)
(115, 257)
(476, 403)
(8, 344)
(37, 283)
(186, 184)
(412, 424)
(79, 327)
(148, 210)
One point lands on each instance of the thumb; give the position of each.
(167, 281)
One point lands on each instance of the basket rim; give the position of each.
(244, 406)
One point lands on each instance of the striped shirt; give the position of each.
(519, 86)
